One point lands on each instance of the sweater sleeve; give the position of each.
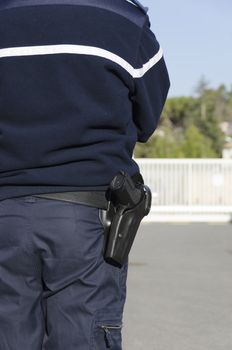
(151, 84)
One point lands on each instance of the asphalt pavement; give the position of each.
(179, 288)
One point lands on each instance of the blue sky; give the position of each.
(196, 37)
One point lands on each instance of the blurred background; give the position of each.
(188, 159)
(180, 266)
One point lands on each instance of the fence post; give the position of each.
(190, 184)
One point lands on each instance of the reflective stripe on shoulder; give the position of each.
(83, 50)
(139, 5)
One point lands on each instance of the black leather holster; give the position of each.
(129, 200)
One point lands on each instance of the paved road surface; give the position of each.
(179, 293)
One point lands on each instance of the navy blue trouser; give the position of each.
(56, 290)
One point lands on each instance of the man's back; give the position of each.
(80, 83)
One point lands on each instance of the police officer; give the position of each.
(81, 81)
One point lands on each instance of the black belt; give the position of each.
(92, 198)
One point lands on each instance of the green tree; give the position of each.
(165, 144)
(196, 145)
(190, 126)
(210, 118)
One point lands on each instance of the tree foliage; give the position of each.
(190, 126)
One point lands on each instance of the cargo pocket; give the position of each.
(107, 332)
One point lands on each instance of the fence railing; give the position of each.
(189, 189)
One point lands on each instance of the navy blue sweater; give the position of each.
(81, 81)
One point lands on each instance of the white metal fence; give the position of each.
(188, 189)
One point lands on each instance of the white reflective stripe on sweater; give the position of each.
(84, 50)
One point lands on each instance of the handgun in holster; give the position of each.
(128, 202)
